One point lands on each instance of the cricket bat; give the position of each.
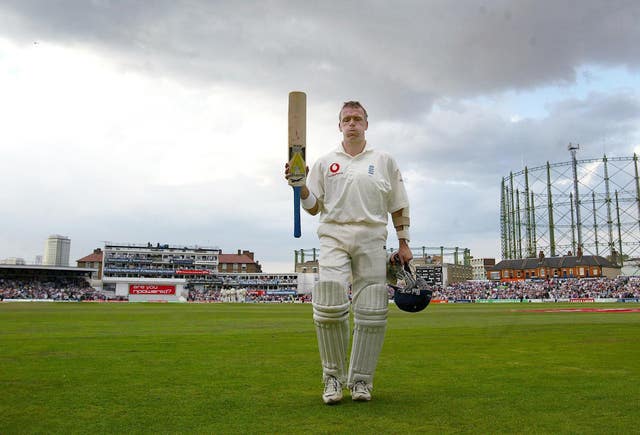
(297, 147)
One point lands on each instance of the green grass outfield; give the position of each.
(236, 368)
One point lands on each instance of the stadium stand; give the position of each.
(56, 289)
(551, 290)
(621, 288)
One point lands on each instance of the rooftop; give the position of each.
(235, 258)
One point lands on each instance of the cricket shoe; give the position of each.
(332, 390)
(360, 392)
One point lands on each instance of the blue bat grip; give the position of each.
(297, 232)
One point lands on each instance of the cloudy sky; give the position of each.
(165, 121)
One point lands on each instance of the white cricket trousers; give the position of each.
(351, 254)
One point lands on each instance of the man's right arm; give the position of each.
(308, 199)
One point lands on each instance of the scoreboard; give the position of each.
(431, 274)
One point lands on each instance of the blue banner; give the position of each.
(629, 300)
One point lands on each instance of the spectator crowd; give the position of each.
(57, 289)
(245, 296)
(552, 290)
(555, 289)
(65, 289)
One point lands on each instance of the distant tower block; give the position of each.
(56, 250)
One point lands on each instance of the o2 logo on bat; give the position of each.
(334, 169)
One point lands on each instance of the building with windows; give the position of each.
(93, 261)
(586, 266)
(242, 262)
(13, 260)
(452, 273)
(307, 267)
(269, 283)
(56, 250)
(480, 266)
(157, 272)
(160, 272)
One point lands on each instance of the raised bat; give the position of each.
(297, 147)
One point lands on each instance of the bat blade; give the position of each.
(297, 152)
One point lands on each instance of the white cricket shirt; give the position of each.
(361, 189)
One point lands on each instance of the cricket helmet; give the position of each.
(411, 292)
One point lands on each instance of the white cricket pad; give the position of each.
(331, 318)
(370, 309)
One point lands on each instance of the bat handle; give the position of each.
(297, 232)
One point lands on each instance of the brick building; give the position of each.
(242, 262)
(93, 261)
(586, 266)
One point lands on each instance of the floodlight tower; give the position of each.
(574, 163)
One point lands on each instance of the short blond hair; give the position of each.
(354, 105)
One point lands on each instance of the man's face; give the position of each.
(352, 123)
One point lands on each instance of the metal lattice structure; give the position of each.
(422, 254)
(591, 206)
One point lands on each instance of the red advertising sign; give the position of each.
(146, 289)
(192, 272)
(581, 300)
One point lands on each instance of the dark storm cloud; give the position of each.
(476, 145)
(455, 160)
(417, 66)
(401, 55)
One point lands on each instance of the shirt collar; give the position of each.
(366, 149)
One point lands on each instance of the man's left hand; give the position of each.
(404, 252)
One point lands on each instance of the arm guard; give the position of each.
(401, 224)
